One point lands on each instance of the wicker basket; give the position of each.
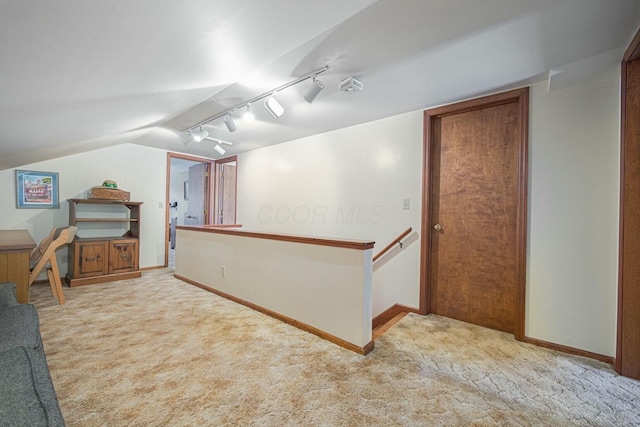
(107, 193)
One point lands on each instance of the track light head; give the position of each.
(196, 137)
(229, 123)
(248, 115)
(274, 107)
(219, 149)
(314, 90)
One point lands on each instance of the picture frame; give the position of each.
(37, 190)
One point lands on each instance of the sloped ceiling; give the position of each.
(77, 75)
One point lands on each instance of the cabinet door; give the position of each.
(90, 258)
(123, 256)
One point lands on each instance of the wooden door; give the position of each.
(227, 193)
(198, 185)
(628, 340)
(475, 223)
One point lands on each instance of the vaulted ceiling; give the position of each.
(77, 75)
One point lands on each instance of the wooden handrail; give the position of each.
(322, 241)
(392, 244)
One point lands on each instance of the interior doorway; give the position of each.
(188, 196)
(474, 212)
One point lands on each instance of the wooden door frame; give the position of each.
(207, 196)
(626, 238)
(521, 96)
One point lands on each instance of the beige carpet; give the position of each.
(159, 352)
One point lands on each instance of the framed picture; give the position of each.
(36, 190)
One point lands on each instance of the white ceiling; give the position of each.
(77, 75)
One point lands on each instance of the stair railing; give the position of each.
(397, 240)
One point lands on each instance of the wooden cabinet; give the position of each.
(103, 259)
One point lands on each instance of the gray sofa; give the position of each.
(27, 397)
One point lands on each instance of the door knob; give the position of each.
(437, 227)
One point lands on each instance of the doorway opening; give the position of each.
(188, 197)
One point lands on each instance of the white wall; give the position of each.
(137, 169)
(307, 186)
(348, 183)
(573, 215)
(325, 287)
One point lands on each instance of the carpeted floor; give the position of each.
(159, 352)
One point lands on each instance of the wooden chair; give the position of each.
(45, 254)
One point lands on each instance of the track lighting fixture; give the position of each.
(314, 90)
(219, 149)
(229, 123)
(273, 106)
(271, 103)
